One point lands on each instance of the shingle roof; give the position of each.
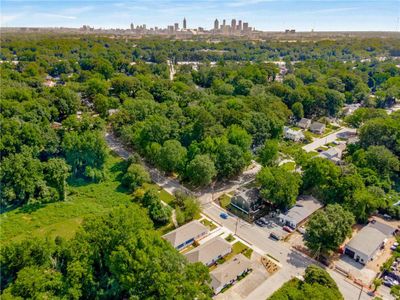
(304, 122)
(185, 233)
(208, 251)
(370, 238)
(302, 210)
(317, 126)
(229, 271)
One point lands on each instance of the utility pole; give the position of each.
(237, 223)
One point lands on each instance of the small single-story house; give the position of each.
(317, 127)
(334, 154)
(248, 201)
(228, 272)
(209, 252)
(186, 235)
(364, 246)
(291, 134)
(304, 207)
(304, 123)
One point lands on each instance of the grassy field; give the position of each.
(63, 218)
(164, 195)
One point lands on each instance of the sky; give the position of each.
(269, 15)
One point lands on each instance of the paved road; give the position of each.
(293, 263)
(326, 140)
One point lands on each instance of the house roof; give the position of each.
(304, 122)
(248, 195)
(317, 126)
(370, 238)
(229, 271)
(293, 132)
(209, 250)
(185, 233)
(303, 208)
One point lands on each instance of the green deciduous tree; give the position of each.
(327, 229)
(269, 153)
(172, 156)
(85, 149)
(279, 186)
(135, 176)
(200, 170)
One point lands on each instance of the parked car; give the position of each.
(223, 216)
(288, 229)
(259, 223)
(301, 229)
(275, 236)
(394, 247)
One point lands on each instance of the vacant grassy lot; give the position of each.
(63, 218)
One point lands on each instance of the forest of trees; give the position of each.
(115, 256)
(60, 94)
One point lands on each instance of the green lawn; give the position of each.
(230, 238)
(224, 200)
(63, 218)
(164, 195)
(211, 226)
(237, 248)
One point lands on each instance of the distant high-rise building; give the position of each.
(239, 27)
(176, 26)
(132, 27)
(245, 26)
(216, 24)
(223, 23)
(184, 23)
(233, 24)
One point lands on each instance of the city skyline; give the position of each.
(268, 15)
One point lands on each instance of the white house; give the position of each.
(294, 135)
(186, 235)
(228, 272)
(364, 246)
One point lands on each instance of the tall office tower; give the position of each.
(223, 23)
(132, 27)
(176, 26)
(240, 25)
(216, 24)
(245, 26)
(233, 24)
(184, 23)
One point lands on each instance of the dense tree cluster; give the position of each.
(317, 284)
(114, 256)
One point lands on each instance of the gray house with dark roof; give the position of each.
(248, 202)
(317, 127)
(364, 246)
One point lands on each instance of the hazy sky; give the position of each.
(263, 14)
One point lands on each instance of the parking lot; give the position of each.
(271, 226)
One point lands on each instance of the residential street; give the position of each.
(293, 262)
(326, 140)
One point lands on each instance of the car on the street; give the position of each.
(287, 229)
(275, 236)
(223, 216)
(394, 247)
